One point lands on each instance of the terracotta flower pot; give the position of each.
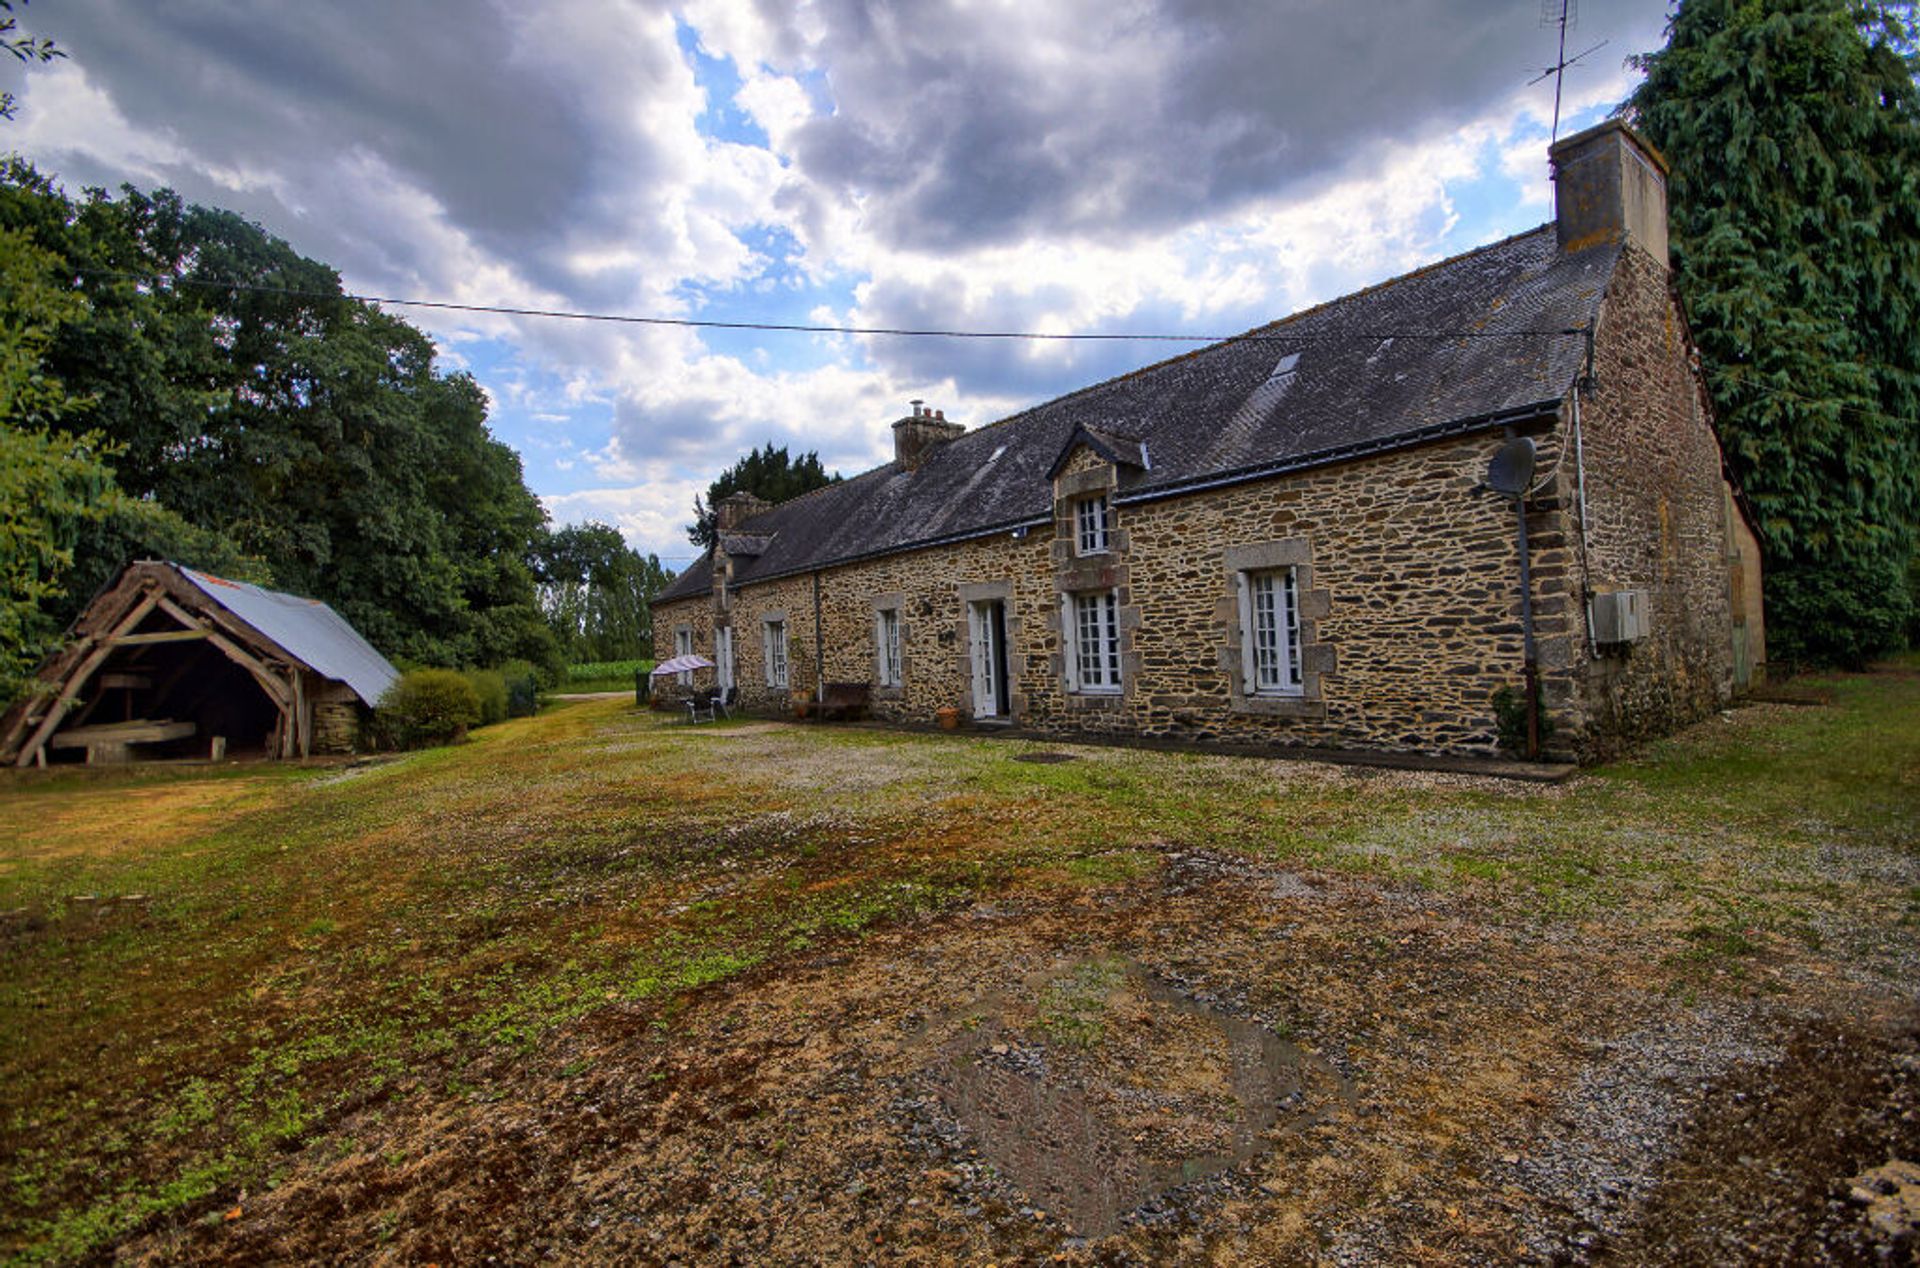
(949, 718)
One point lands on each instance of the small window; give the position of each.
(683, 646)
(886, 646)
(1095, 632)
(1270, 632)
(1090, 525)
(774, 634)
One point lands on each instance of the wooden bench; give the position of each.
(845, 701)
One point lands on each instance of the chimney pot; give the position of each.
(916, 435)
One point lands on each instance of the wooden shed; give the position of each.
(170, 662)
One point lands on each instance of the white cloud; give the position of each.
(1081, 165)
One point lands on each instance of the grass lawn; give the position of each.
(292, 1005)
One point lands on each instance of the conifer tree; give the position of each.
(1793, 130)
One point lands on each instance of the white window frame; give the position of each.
(1090, 620)
(1092, 522)
(683, 646)
(773, 645)
(886, 646)
(1270, 633)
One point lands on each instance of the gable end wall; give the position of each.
(1657, 507)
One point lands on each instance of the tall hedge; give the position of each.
(1793, 130)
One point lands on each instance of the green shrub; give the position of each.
(1510, 717)
(491, 690)
(523, 688)
(425, 707)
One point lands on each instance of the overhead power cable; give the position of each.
(799, 328)
(698, 323)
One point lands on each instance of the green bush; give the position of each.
(425, 707)
(491, 690)
(523, 688)
(1510, 717)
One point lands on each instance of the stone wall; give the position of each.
(1407, 575)
(1409, 606)
(337, 713)
(1658, 520)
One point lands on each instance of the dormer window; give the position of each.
(1090, 525)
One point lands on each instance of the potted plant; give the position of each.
(948, 717)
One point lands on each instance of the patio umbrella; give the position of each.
(681, 665)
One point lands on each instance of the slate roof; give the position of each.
(305, 628)
(1352, 376)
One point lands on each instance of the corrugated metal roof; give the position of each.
(1243, 406)
(306, 628)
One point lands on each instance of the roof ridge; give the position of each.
(1231, 340)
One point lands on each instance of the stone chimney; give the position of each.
(915, 435)
(1608, 183)
(735, 509)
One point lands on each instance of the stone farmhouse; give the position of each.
(1294, 538)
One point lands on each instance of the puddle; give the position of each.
(1097, 1086)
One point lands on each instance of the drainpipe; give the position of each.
(1526, 629)
(1532, 666)
(819, 648)
(1580, 389)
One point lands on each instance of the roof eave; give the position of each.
(1509, 417)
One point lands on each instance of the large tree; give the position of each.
(1793, 130)
(254, 410)
(597, 593)
(766, 472)
(51, 480)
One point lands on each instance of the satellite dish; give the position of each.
(1511, 471)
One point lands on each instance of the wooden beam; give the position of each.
(302, 712)
(78, 679)
(159, 636)
(268, 680)
(138, 732)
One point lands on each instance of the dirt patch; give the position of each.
(1225, 1062)
(1773, 1152)
(1098, 1086)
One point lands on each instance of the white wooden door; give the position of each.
(983, 631)
(723, 657)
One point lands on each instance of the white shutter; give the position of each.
(1243, 594)
(1290, 630)
(1069, 649)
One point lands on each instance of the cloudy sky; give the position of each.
(1183, 166)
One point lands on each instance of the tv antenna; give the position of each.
(1563, 14)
